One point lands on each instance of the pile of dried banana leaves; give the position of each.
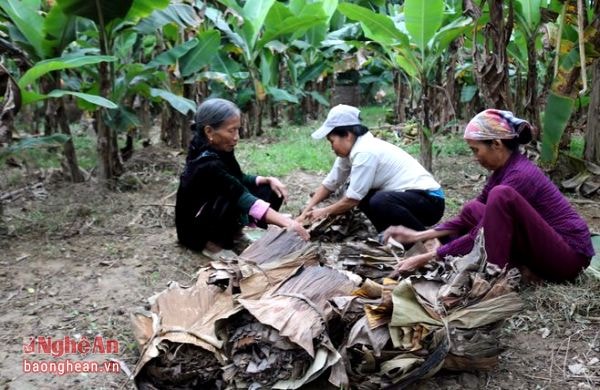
(281, 314)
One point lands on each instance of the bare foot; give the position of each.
(529, 277)
(211, 247)
(432, 244)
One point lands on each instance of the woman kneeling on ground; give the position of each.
(527, 223)
(215, 200)
(386, 183)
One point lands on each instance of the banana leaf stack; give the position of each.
(449, 318)
(280, 318)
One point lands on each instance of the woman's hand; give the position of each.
(298, 228)
(302, 218)
(316, 214)
(412, 264)
(278, 187)
(401, 234)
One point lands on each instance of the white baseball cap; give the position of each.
(340, 115)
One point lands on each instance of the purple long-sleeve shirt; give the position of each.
(533, 185)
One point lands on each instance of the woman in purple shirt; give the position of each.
(526, 221)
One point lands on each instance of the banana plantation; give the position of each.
(131, 65)
(97, 102)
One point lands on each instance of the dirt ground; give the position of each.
(76, 260)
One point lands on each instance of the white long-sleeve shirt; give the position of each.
(379, 165)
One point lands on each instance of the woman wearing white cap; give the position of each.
(386, 183)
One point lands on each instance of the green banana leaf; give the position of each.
(378, 27)
(111, 9)
(281, 95)
(556, 116)
(25, 16)
(202, 53)
(423, 19)
(179, 103)
(34, 143)
(254, 12)
(31, 97)
(594, 268)
(181, 15)
(171, 56)
(60, 31)
(528, 14)
(44, 67)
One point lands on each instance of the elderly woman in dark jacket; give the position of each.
(215, 198)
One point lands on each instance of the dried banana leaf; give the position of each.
(594, 268)
(350, 226)
(297, 311)
(259, 278)
(362, 334)
(372, 261)
(180, 324)
(275, 244)
(181, 367)
(261, 356)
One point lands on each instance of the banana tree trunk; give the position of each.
(255, 118)
(275, 109)
(425, 129)
(68, 148)
(56, 116)
(108, 154)
(170, 125)
(143, 112)
(274, 114)
(532, 108)
(190, 91)
(10, 104)
(452, 102)
(592, 134)
(400, 89)
(491, 68)
(49, 105)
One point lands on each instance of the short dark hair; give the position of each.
(342, 131)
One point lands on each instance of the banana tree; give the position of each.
(264, 21)
(577, 46)
(108, 17)
(10, 104)
(40, 34)
(188, 46)
(415, 46)
(490, 56)
(293, 63)
(592, 133)
(528, 17)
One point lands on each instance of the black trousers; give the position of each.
(415, 209)
(220, 221)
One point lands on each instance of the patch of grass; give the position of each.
(51, 219)
(85, 148)
(452, 206)
(576, 146)
(40, 221)
(284, 150)
(553, 305)
(292, 149)
(413, 149)
(373, 116)
(50, 157)
(450, 145)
